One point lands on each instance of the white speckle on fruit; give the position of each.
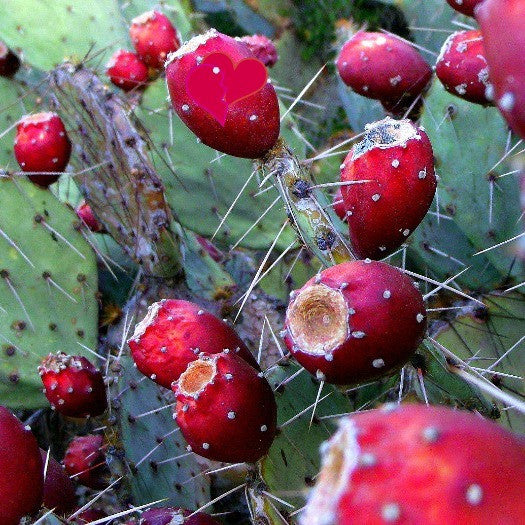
(390, 512)
(474, 494)
(387, 294)
(378, 363)
(395, 163)
(419, 318)
(507, 101)
(376, 197)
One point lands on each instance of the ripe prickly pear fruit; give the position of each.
(21, 474)
(9, 62)
(383, 67)
(355, 322)
(86, 215)
(462, 66)
(59, 491)
(85, 461)
(72, 385)
(172, 335)
(397, 158)
(262, 48)
(503, 29)
(154, 38)
(170, 515)
(415, 464)
(465, 7)
(41, 146)
(225, 409)
(237, 111)
(126, 70)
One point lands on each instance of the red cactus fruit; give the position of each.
(465, 7)
(396, 157)
(172, 335)
(338, 205)
(85, 461)
(21, 477)
(262, 47)
(154, 37)
(462, 66)
(383, 67)
(503, 29)
(41, 146)
(170, 515)
(355, 321)
(59, 491)
(9, 62)
(72, 385)
(126, 70)
(237, 111)
(88, 516)
(419, 465)
(225, 409)
(210, 249)
(86, 215)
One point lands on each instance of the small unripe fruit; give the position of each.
(233, 114)
(170, 515)
(503, 28)
(225, 409)
(73, 386)
(86, 215)
(355, 322)
(41, 146)
(262, 48)
(172, 335)
(396, 159)
(383, 67)
(462, 67)
(85, 461)
(127, 71)
(419, 465)
(21, 474)
(154, 37)
(59, 491)
(465, 7)
(9, 63)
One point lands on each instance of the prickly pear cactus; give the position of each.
(48, 288)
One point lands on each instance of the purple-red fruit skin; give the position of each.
(383, 67)
(42, 145)
(85, 461)
(21, 473)
(262, 48)
(225, 409)
(173, 333)
(502, 25)
(462, 66)
(390, 185)
(154, 38)
(465, 7)
(73, 386)
(126, 70)
(59, 491)
(252, 123)
(355, 322)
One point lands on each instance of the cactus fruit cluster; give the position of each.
(243, 280)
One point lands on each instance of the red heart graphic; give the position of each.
(215, 83)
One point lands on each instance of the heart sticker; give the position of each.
(215, 83)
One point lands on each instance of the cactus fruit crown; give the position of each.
(318, 319)
(197, 376)
(191, 45)
(387, 133)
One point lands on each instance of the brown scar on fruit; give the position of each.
(318, 320)
(197, 377)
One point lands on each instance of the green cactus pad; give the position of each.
(469, 141)
(47, 289)
(201, 185)
(482, 337)
(134, 395)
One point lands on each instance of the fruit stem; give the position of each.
(309, 210)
